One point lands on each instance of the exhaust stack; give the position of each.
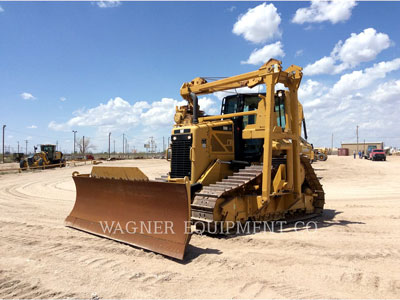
(195, 107)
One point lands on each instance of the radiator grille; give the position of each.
(180, 159)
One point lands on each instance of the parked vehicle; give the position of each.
(377, 154)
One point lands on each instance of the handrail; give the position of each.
(229, 116)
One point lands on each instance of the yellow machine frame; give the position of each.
(265, 126)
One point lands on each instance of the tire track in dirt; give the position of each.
(28, 190)
(264, 289)
(44, 259)
(106, 255)
(12, 286)
(109, 256)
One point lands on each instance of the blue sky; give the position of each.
(118, 66)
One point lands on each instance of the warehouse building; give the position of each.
(362, 146)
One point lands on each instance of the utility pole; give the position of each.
(123, 143)
(109, 144)
(18, 146)
(357, 137)
(26, 147)
(114, 146)
(4, 127)
(74, 131)
(163, 144)
(83, 145)
(56, 145)
(332, 143)
(168, 145)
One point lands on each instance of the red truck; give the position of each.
(377, 154)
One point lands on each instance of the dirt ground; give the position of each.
(354, 253)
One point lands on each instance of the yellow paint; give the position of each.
(126, 173)
(219, 169)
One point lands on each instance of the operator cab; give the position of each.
(49, 150)
(250, 150)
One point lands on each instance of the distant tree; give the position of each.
(88, 147)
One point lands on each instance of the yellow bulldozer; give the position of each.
(242, 165)
(47, 156)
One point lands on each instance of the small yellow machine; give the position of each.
(242, 165)
(47, 156)
(321, 153)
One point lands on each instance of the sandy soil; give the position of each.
(354, 253)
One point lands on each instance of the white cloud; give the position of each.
(259, 56)
(325, 65)
(387, 92)
(361, 79)
(32, 127)
(62, 99)
(120, 114)
(361, 47)
(1, 9)
(299, 53)
(280, 86)
(320, 11)
(27, 96)
(362, 97)
(108, 3)
(311, 89)
(313, 103)
(259, 24)
(231, 9)
(358, 48)
(161, 113)
(209, 106)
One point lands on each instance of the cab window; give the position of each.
(280, 111)
(250, 103)
(231, 105)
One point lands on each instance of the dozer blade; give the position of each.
(123, 205)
